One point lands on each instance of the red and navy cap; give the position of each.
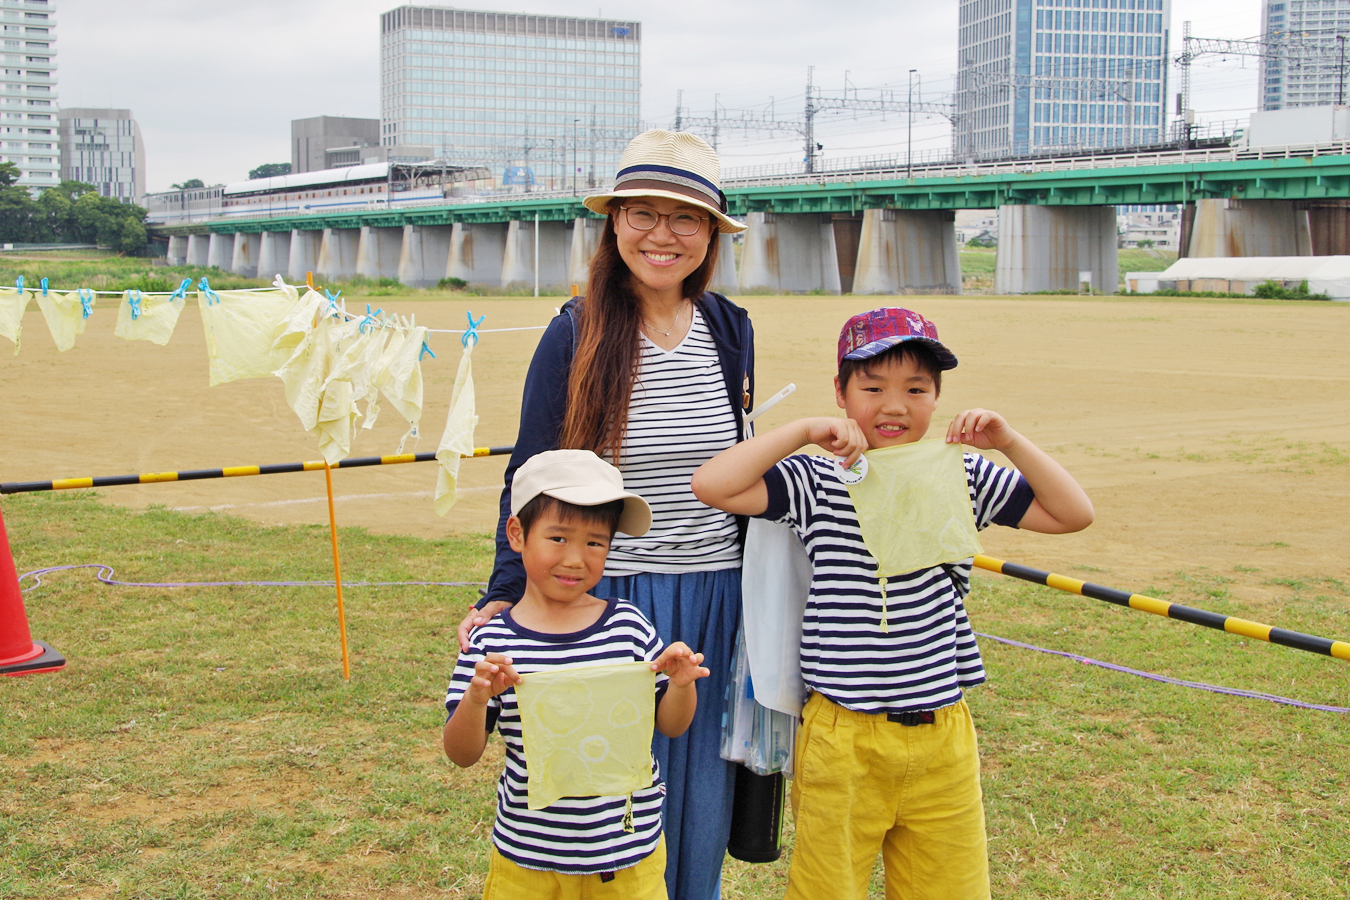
(870, 333)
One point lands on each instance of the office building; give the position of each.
(28, 93)
(1307, 79)
(103, 147)
(552, 95)
(312, 138)
(1044, 76)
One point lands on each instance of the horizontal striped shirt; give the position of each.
(678, 419)
(928, 654)
(579, 835)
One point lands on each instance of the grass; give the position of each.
(202, 742)
(977, 266)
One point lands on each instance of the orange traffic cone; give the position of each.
(19, 653)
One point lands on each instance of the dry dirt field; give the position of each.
(1208, 433)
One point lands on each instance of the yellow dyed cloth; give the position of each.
(65, 316)
(587, 730)
(914, 507)
(399, 375)
(325, 405)
(240, 328)
(147, 318)
(12, 304)
(458, 436)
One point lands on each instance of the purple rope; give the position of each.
(1198, 685)
(106, 573)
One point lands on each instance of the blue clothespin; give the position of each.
(86, 296)
(370, 320)
(332, 301)
(44, 287)
(134, 298)
(425, 351)
(473, 330)
(212, 298)
(181, 293)
(18, 284)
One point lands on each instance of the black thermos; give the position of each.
(757, 817)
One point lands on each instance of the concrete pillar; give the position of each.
(274, 254)
(907, 251)
(220, 251)
(724, 276)
(476, 253)
(789, 252)
(198, 249)
(1250, 228)
(377, 252)
(178, 250)
(518, 255)
(585, 236)
(304, 253)
(424, 255)
(1044, 248)
(244, 259)
(337, 253)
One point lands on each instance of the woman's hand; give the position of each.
(478, 617)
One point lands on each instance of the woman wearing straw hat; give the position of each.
(655, 373)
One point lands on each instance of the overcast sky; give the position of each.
(215, 84)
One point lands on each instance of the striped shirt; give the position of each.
(678, 419)
(580, 835)
(928, 653)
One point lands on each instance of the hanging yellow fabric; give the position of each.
(914, 507)
(399, 376)
(587, 730)
(147, 318)
(12, 304)
(66, 314)
(240, 328)
(458, 437)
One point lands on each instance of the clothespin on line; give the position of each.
(472, 332)
(181, 292)
(87, 298)
(18, 284)
(212, 298)
(134, 298)
(309, 280)
(43, 283)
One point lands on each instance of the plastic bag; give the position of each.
(775, 584)
(759, 738)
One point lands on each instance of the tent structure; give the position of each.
(1241, 274)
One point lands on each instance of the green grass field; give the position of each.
(203, 744)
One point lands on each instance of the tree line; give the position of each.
(71, 212)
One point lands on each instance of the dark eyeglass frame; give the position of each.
(669, 217)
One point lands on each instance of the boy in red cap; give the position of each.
(886, 759)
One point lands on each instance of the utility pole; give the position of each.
(810, 128)
(909, 129)
(1340, 81)
(679, 109)
(575, 170)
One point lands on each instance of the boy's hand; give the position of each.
(983, 429)
(681, 665)
(491, 676)
(840, 437)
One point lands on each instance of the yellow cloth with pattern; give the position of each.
(914, 507)
(142, 317)
(587, 730)
(240, 327)
(457, 440)
(12, 304)
(65, 317)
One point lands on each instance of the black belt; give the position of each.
(912, 718)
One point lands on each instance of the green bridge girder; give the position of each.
(1299, 178)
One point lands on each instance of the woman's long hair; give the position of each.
(600, 384)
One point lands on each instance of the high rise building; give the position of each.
(555, 95)
(1041, 76)
(28, 92)
(103, 147)
(1306, 80)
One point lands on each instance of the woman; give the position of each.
(654, 373)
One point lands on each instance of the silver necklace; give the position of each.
(679, 312)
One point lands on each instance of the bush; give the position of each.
(1273, 290)
(454, 284)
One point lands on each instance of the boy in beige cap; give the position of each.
(566, 506)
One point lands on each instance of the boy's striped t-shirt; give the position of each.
(928, 654)
(678, 419)
(579, 835)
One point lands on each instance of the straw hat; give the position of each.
(672, 164)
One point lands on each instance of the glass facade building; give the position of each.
(1040, 76)
(553, 95)
(103, 147)
(1309, 81)
(28, 92)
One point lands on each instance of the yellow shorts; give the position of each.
(864, 785)
(508, 881)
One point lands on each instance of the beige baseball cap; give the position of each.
(583, 479)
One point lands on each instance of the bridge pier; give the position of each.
(789, 252)
(198, 250)
(1043, 248)
(274, 254)
(1250, 228)
(724, 276)
(424, 254)
(178, 250)
(518, 258)
(220, 251)
(378, 251)
(585, 238)
(244, 259)
(907, 251)
(338, 252)
(304, 253)
(476, 253)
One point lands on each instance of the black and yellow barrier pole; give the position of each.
(66, 484)
(1231, 624)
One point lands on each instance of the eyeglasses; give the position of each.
(681, 223)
